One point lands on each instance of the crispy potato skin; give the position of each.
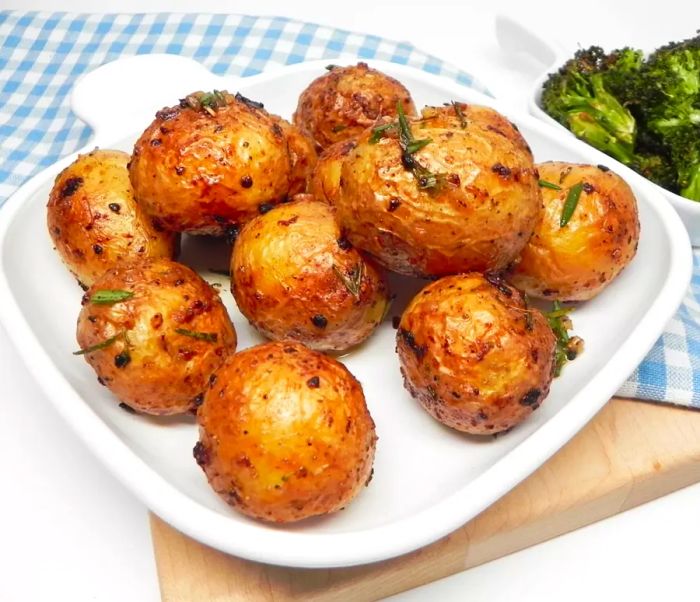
(94, 221)
(302, 156)
(578, 261)
(345, 101)
(325, 177)
(286, 270)
(285, 433)
(479, 219)
(202, 173)
(167, 370)
(471, 356)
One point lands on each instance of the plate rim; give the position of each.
(313, 550)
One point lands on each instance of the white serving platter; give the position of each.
(428, 479)
(516, 37)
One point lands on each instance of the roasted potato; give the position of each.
(94, 221)
(474, 356)
(154, 332)
(461, 196)
(210, 163)
(302, 156)
(577, 261)
(294, 277)
(284, 433)
(347, 100)
(325, 176)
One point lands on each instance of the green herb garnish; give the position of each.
(427, 180)
(210, 337)
(416, 145)
(330, 67)
(353, 280)
(110, 296)
(460, 114)
(205, 101)
(545, 184)
(570, 203)
(96, 347)
(567, 347)
(379, 131)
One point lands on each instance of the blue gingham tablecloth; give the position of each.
(42, 54)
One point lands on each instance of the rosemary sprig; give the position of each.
(103, 345)
(427, 180)
(353, 280)
(205, 101)
(379, 132)
(110, 296)
(545, 184)
(209, 337)
(570, 204)
(567, 347)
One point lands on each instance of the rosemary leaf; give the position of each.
(209, 337)
(379, 131)
(96, 347)
(110, 296)
(545, 184)
(570, 203)
(460, 114)
(353, 280)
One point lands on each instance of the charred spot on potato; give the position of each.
(232, 234)
(201, 454)
(248, 102)
(394, 204)
(263, 208)
(167, 113)
(588, 188)
(290, 350)
(92, 319)
(179, 170)
(101, 381)
(314, 382)
(395, 321)
(212, 380)
(156, 142)
(127, 408)
(179, 282)
(121, 360)
(246, 181)
(198, 400)
(531, 397)
(496, 279)
(156, 321)
(501, 170)
(409, 339)
(319, 321)
(603, 168)
(344, 243)
(288, 222)
(115, 207)
(70, 187)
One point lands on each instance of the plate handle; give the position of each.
(121, 97)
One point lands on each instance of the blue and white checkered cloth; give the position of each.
(42, 54)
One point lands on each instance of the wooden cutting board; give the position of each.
(630, 453)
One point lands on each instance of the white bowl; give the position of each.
(428, 479)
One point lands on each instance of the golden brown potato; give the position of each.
(302, 156)
(325, 177)
(345, 101)
(210, 163)
(154, 332)
(464, 198)
(285, 433)
(294, 277)
(473, 355)
(94, 222)
(577, 261)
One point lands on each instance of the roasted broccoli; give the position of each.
(643, 112)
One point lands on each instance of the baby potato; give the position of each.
(325, 177)
(284, 433)
(474, 356)
(302, 156)
(461, 195)
(576, 261)
(210, 163)
(94, 221)
(154, 332)
(345, 101)
(294, 276)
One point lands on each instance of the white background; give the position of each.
(69, 531)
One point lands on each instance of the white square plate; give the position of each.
(428, 479)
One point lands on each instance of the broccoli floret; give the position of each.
(578, 97)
